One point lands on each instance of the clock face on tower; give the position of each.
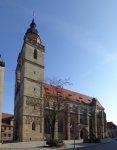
(35, 39)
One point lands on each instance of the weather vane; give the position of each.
(33, 13)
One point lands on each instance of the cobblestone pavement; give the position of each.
(69, 143)
(107, 146)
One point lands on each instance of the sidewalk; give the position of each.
(38, 145)
(80, 145)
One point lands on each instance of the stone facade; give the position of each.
(29, 110)
(82, 120)
(7, 127)
(2, 65)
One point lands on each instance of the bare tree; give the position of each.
(54, 100)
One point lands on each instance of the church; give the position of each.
(30, 124)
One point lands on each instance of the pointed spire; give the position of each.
(1, 62)
(33, 26)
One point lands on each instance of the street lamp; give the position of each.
(74, 134)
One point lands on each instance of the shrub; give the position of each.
(53, 142)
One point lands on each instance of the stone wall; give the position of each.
(1, 93)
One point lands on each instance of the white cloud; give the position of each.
(110, 57)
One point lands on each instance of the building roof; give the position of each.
(110, 125)
(6, 116)
(1, 62)
(32, 28)
(69, 95)
(5, 124)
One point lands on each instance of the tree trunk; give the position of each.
(52, 134)
(53, 128)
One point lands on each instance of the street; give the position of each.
(106, 146)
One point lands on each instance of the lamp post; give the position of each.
(74, 134)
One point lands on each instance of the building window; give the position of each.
(72, 125)
(35, 54)
(9, 128)
(46, 127)
(4, 128)
(90, 124)
(40, 91)
(4, 121)
(9, 135)
(81, 121)
(74, 106)
(33, 126)
(60, 125)
(4, 134)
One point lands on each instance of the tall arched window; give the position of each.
(90, 124)
(46, 126)
(35, 54)
(60, 125)
(81, 121)
(98, 128)
(72, 125)
(33, 126)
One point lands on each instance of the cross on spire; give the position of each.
(33, 13)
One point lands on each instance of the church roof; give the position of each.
(69, 95)
(1, 62)
(32, 28)
(5, 116)
(6, 124)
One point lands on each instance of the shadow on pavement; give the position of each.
(10, 141)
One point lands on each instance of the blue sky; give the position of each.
(80, 39)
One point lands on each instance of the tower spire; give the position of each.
(33, 26)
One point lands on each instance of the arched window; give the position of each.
(46, 126)
(90, 124)
(72, 125)
(33, 126)
(60, 125)
(81, 121)
(98, 127)
(35, 54)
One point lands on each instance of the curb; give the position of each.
(94, 145)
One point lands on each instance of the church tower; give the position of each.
(29, 88)
(2, 65)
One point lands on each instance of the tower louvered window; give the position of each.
(33, 126)
(35, 54)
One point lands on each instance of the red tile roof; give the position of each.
(69, 95)
(4, 115)
(110, 125)
(5, 124)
